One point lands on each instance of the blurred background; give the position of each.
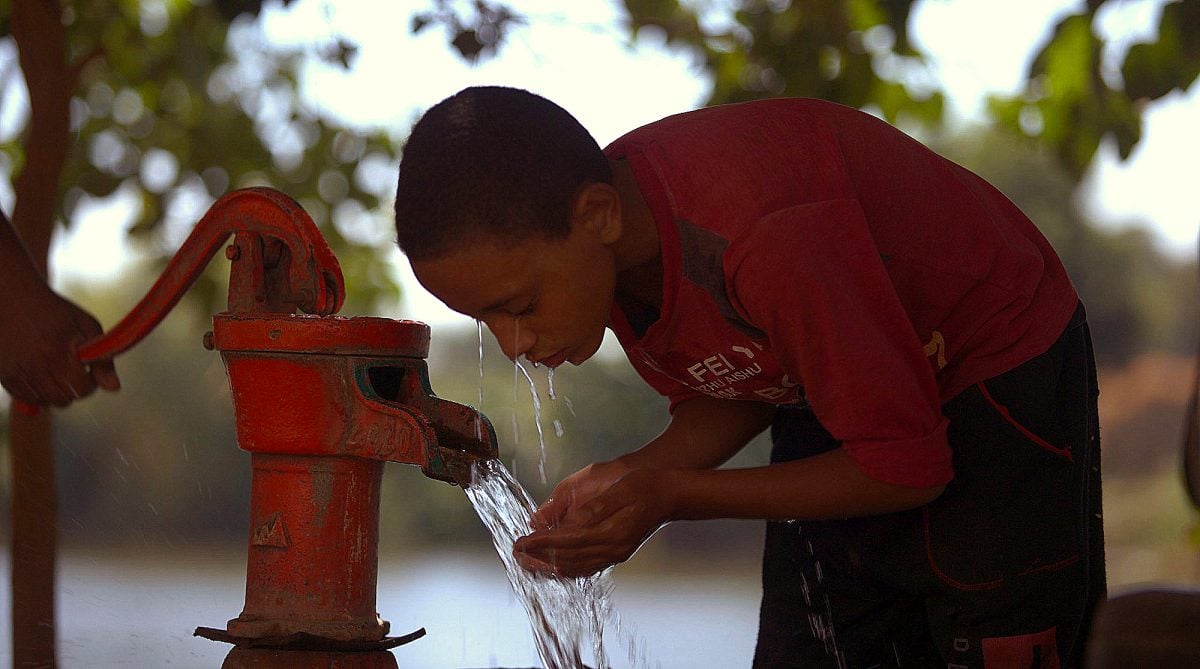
(1083, 113)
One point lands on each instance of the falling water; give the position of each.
(563, 612)
(516, 365)
(479, 406)
(537, 414)
(558, 428)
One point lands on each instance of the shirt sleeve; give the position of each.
(812, 279)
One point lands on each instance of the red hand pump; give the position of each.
(320, 402)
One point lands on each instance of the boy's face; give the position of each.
(546, 300)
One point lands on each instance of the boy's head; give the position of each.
(493, 164)
(506, 210)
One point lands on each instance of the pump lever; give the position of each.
(281, 264)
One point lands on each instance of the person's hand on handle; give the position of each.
(40, 336)
(41, 333)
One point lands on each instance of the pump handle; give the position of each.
(281, 264)
(302, 273)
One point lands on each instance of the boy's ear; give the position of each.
(597, 206)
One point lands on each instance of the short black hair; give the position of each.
(493, 163)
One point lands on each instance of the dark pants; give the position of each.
(1003, 570)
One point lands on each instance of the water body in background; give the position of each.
(138, 611)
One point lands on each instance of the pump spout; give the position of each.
(398, 418)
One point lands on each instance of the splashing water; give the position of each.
(563, 612)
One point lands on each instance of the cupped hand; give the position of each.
(595, 518)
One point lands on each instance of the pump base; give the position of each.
(310, 642)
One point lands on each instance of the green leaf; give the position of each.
(1153, 69)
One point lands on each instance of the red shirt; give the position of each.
(813, 253)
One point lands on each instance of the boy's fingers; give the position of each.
(569, 563)
(548, 514)
(549, 540)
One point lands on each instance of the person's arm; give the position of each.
(703, 433)
(601, 515)
(825, 486)
(40, 332)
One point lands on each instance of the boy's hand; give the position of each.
(595, 518)
(577, 489)
(40, 335)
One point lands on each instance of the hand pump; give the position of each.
(320, 402)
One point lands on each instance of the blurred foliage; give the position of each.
(1072, 103)
(182, 101)
(857, 52)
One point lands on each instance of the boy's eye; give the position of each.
(527, 310)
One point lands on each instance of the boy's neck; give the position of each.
(638, 254)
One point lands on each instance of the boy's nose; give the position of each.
(514, 337)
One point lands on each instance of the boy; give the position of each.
(910, 338)
(40, 332)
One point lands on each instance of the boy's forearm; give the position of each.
(703, 433)
(821, 487)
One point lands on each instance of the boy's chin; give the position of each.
(584, 353)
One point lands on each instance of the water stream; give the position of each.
(537, 415)
(564, 613)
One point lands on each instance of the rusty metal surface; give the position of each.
(336, 335)
(264, 658)
(301, 641)
(313, 548)
(330, 393)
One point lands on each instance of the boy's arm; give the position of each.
(610, 526)
(601, 515)
(829, 485)
(703, 433)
